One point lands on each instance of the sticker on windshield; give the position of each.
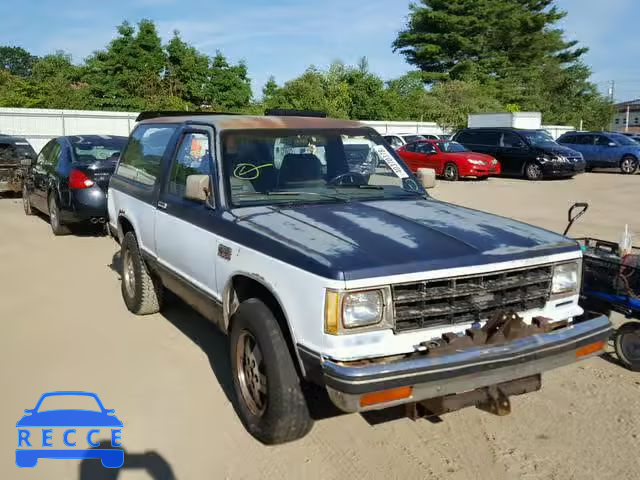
(389, 160)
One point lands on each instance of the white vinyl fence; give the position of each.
(40, 125)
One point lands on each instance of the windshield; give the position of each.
(14, 152)
(90, 149)
(538, 137)
(283, 166)
(68, 402)
(623, 140)
(451, 147)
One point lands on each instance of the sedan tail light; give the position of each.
(79, 180)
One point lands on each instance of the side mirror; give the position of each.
(25, 162)
(197, 188)
(427, 177)
(28, 410)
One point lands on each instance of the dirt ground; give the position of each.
(167, 376)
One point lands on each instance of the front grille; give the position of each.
(467, 299)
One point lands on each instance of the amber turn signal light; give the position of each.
(589, 349)
(385, 396)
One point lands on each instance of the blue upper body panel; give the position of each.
(69, 418)
(357, 240)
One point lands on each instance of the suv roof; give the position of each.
(248, 122)
(9, 139)
(514, 129)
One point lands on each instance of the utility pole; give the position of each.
(612, 88)
(626, 123)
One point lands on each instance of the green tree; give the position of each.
(16, 60)
(227, 86)
(186, 72)
(56, 83)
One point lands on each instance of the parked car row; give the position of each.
(532, 154)
(315, 249)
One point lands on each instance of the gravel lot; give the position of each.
(167, 376)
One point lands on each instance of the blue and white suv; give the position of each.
(605, 150)
(360, 283)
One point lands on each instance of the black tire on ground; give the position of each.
(486, 177)
(269, 395)
(57, 227)
(627, 345)
(588, 169)
(629, 165)
(142, 292)
(26, 203)
(533, 171)
(451, 172)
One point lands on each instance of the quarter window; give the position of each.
(142, 158)
(193, 158)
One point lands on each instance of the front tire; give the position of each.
(627, 345)
(629, 165)
(269, 396)
(533, 171)
(142, 293)
(57, 227)
(451, 172)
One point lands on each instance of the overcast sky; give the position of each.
(283, 37)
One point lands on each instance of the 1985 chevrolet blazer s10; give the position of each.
(311, 244)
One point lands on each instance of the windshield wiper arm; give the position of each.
(292, 193)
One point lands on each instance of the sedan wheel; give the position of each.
(26, 203)
(533, 171)
(451, 172)
(54, 218)
(628, 165)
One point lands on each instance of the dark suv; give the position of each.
(69, 179)
(533, 154)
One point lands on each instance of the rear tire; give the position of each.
(57, 227)
(533, 171)
(451, 172)
(627, 345)
(628, 165)
(26, 203)
(142, 293)
(269, 395)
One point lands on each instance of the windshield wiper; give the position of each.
(291, 193)
(362, 187)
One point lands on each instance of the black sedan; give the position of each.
(69, 179)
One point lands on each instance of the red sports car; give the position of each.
(449, 159)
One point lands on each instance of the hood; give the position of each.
(557, 149)
(69, 418)
(369, 239)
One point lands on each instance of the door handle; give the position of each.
(162, 205)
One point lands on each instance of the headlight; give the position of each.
(560, 159)
(362, 308)
(494, 162)
(476, 162)
(349, 312)
(566, 279)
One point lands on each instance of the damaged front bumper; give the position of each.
(422, 376)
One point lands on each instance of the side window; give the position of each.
(487, 138)
(411, 147)
(602, 141)
(585, 139)
(51, 157)
(510, 140)
(568, 139)
(425, 147)
(141, 160)
(193, 158)
(463, 137)
(42, 156)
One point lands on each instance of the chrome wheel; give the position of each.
(128, 274)
(451, 172)
(251, 374)
(534, 171)
(628, 165)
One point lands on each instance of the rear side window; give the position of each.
(479, 137)
(141, 160)
(585, 140)
(567, 139)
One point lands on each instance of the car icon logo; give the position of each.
(32, 447)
